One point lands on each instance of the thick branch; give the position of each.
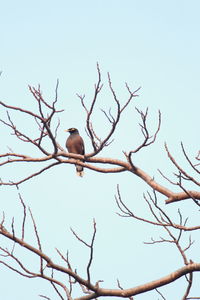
(193, 267)
(120, 166)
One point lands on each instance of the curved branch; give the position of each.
(192, 267)
(97, 291)
(120, 166)
(21, 110)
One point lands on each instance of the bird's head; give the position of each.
(72, 130)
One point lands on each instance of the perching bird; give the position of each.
(75, 145)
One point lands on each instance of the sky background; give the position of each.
(153, 44)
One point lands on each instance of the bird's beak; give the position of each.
(67, 130)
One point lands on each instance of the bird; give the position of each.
(75, 144)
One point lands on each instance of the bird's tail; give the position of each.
(79, 171)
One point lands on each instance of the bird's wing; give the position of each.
(75, 145)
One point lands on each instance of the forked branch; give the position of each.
(92, 291)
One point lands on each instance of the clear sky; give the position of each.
(153, 44)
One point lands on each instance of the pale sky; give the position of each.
(153, 44)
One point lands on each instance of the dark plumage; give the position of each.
(75, 145)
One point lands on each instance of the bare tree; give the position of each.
(44, 120)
